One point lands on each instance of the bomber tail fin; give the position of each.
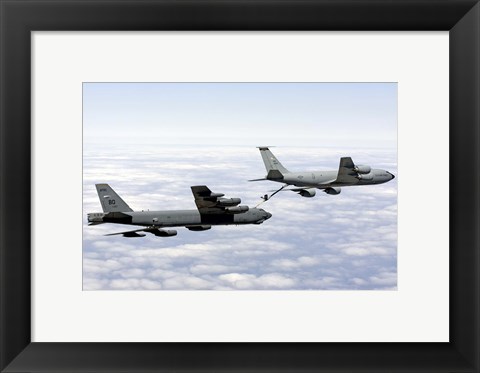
(273, 166)
(111, 201)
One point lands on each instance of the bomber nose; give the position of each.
(268, 215)
(392, 175)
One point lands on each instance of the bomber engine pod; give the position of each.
(237, 209)
(216, 195)
(163, 232)
(361, 169)
(229, 201)
(366, 177)
(333, 191)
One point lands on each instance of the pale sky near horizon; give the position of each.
(254, 114)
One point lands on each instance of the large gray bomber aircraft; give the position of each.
(348, 174)
(212, 209)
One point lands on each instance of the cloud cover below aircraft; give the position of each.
(212, 209)
(330, 182)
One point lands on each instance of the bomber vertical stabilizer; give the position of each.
(111, 201)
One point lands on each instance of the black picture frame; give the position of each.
(18, 18)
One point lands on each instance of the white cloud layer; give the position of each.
(342, 242)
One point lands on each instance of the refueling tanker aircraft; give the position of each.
(348, 174)
(212, 209)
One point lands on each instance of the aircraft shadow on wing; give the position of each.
(306, 183)
(212, 209)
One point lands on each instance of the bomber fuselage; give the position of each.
(179, 218)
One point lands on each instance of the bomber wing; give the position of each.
(152, 230)
(212, 203)
(205, 200)
(346, 171)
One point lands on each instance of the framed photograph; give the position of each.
(158, 140)
(218, 186)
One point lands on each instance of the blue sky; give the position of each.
(151, 142)
(287, 114)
